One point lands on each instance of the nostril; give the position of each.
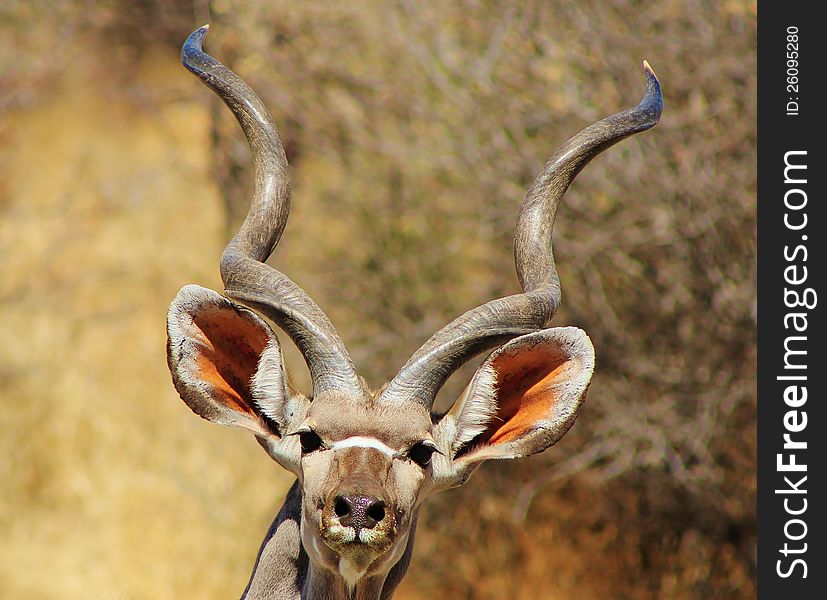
(358, 511)
(341, 507)
(377, 511)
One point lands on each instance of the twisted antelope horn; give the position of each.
(246, 278)
(503, 319)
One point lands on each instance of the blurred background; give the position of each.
(413, 130)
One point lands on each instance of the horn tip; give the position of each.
(653, 100)
(192, 50)
(197, 36)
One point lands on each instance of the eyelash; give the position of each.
(421, 454)
(310, 441)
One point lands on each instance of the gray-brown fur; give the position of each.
(365, 460)
(282, 568)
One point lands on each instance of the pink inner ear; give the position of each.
(526, 383)
(230, 349)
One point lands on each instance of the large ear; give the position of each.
(522, 399)
(226, 362)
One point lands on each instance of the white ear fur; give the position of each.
(477, 407)
(557, 363)
(268, 392)
(268, 386)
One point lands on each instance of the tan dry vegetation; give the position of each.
(103, 487)
(413, 131)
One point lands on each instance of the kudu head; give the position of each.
(366, 459)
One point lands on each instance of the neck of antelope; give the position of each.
(284, 571)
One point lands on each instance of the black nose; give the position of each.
(359, 512)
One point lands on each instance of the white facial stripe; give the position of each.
(358, 441)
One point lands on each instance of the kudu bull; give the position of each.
(366, 459)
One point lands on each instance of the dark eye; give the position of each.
(421, 453)
(309, 441)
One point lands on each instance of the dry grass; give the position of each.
(104, 491)
(413, 132)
